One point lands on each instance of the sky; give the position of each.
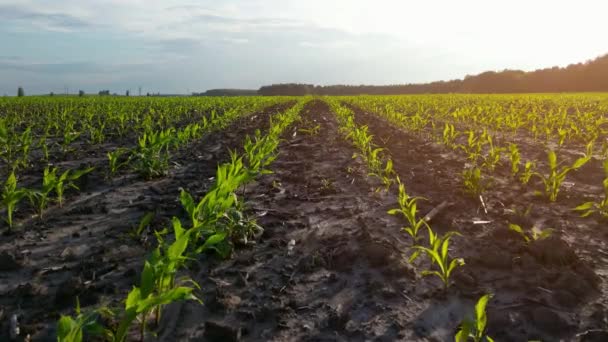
(185, 46)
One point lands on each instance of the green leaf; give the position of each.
(178, 230)
(480, 313)
(394, 211)
(552, 157)
(463, 332)
(67, 330)
(414, 256)
(585, 206)
(580, 162)
(428, 273)
(147, 280)
(133, 298)
(213, 240)
(173, 295)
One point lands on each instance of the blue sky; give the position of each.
(182, 46)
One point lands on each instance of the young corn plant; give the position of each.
(515, 159)
(408, 208)
(556, 176)
(438, 255)
(157, 285)
(152, 154)
(528, 172)
(494, 153)
(69, 136)
(601, 206)
(66, 180)
(473, 181)
(73, 329)
(114, 159)
(473, 147)
(11, 196)
(40, 198)
(535, 233)
(25, 145)
(145, 221)
(475, 329)
(450, 135)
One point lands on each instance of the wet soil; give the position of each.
(552, 289)
(86, 249)
(331, 264)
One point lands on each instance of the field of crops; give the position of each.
(414, 218)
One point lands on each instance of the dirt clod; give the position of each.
(222, 332)
(8, 262)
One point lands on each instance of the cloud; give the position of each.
(53, 21)
(77, 68)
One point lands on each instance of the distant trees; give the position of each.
(52, 94)
(104, 93)
(582, 77)
(127, 93)
(227, 92)
(293, 89)
(20, 92)
(81, 93)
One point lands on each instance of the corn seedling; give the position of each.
(515, 158)
(314, 130)
(438, 255)
(473, 181)
(143, 224)
(408, 208)
(114, 158)
(25, 142)
(556, 176)
(535, 233)
(600, 207)
(69, 136)
(152, 154)
(157, 285)
(11, 196)
(528, 172)
(449, 135)
(66, 180)
(493, 158)
(40, 198)
(73, 329)
(475, 329)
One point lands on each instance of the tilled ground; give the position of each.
(85, 249)
(330, 265)
(552, 289)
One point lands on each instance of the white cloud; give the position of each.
(384, 41)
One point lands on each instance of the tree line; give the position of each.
(591, 76)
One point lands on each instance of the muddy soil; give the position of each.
(331, 264)
(86, 248)
(552, 289)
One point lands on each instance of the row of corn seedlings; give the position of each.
(483, 155)
(479, 147)
(53, 183)
(53, 127)
(213, 226)
(437, 250)
(150, 158)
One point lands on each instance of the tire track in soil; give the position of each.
(84, 249)
(345, 278)
(542, 290)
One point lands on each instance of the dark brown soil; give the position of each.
(549, 289)
(85, 248)
(330, 265)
